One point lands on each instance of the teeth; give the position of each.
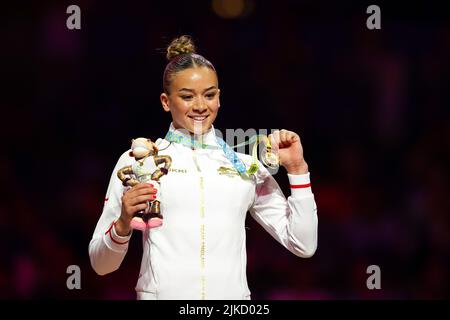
(199, 118)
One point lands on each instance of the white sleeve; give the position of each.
(292, 222)
(107, 249)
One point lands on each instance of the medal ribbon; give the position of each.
(269, 160)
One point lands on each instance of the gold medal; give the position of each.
(270, 159)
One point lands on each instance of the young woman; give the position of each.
(199, 252)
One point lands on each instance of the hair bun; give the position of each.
(181, 45)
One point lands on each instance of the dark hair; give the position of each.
(181, 55)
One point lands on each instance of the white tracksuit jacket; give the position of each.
(199, 252)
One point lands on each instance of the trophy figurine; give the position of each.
(146, 169)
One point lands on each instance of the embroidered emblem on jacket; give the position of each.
(228, 171)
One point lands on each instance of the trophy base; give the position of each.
(140, 224)
(155, 222)
(152, 219)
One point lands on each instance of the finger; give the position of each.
(275, 138)
(280, 137)
(140, 207)
(132, 210)
(143, 191)
(132, 194)
(141, 188)
(140, 199)
(283, 137)
(142, 185)
(291, 136)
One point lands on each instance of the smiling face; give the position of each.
(193, 99)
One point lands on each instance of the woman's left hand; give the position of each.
(290, 151)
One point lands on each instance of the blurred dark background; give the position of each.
(371, 106)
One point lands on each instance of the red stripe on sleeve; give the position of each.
(110, 227)
(110, 235)
(299, 186)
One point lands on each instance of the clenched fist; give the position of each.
(290, 151)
